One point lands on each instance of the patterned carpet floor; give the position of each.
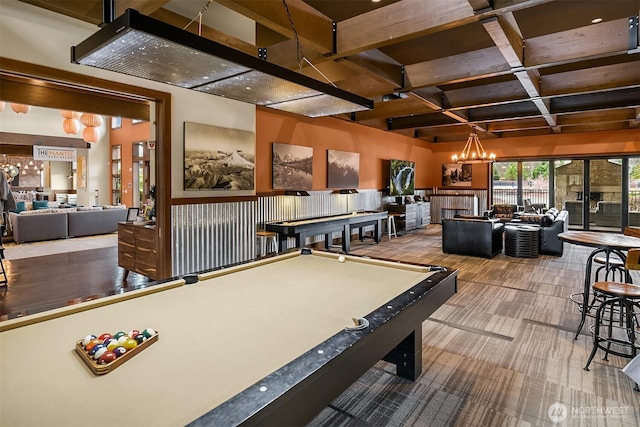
(499, 353)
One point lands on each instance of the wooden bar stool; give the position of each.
(267, 240)
(391, 226)
(617, 315)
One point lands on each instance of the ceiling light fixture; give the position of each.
(144, 47)
(478, 155)
(596, 20)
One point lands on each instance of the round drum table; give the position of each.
(521, 241)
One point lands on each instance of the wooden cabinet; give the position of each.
(137, 249)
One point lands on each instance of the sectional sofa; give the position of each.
(50, 224)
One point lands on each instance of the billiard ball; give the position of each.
(122, 339)
(117, 335)
(341, 258)
(109, 341)
(119, 351)
(104, 337)
(133, 333)
(130, 344)
(148, 333)
(107, 357)
(100, 352)
(95, 348)
(113, 344)
(86, 340)
(92, 344)
(140, 338)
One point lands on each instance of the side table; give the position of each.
(521, 241)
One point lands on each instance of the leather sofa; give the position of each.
(552, 223)
(472, 236)
(51, 224)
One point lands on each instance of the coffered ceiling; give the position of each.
(437, 68)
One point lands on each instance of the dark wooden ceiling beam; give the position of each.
(91, 10)
(395, 108)
(313, 28)
(507, 37)
(146, 7)
(377, 64)
(506, 34)
(400, 21)
(87, 10)
(593, 79)
(180, 21)
(468, 66)
(592, 41)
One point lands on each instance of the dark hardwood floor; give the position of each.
(45, 282)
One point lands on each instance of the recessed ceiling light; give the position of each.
(375, 1)
(596, 20)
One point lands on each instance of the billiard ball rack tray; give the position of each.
(99, 369)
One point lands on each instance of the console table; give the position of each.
(137, 249)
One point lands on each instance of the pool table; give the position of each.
(272, 341)
(327, 225)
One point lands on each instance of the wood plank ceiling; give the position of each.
(438, 68)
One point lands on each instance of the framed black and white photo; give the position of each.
(292, 167)
(343, 169)
(456, 175)
(218, 159)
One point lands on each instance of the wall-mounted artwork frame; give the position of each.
(457, 175)
(343, 169)
(292, 167)
(218, 159)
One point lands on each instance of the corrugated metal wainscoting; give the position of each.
(213, 235)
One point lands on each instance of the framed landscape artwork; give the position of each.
(292, 167)
(456, 175)
(218, 158)
(343, 169)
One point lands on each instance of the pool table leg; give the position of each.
(407, 356)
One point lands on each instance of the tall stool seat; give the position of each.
(617, 315)
(267, 242)
(391, 226)
(615, 265)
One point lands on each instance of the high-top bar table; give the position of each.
(607, 243)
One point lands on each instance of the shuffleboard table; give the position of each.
(267, 342)
(309, 227)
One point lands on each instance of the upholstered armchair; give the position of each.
(475, 237)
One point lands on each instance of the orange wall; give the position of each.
(375, 147)
(125, 136)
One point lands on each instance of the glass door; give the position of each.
(634, 192)
(535, 186)
(605, 194)
(569, 190)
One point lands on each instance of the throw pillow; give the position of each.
(40, 204)
(503, 209)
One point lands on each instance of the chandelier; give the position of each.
(473, 152)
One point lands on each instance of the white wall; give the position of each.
(35, 35)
